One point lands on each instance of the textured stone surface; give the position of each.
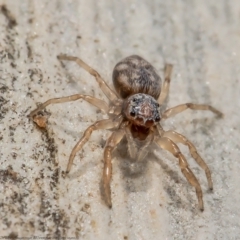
(201, 39)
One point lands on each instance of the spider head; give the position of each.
(142, 110)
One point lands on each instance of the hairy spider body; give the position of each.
(135, 113)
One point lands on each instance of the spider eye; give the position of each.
(132, 113)
(157, 119)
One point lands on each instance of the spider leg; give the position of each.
(102, 124)
(94, 101)
(169, 145)
(178, 138)
(132, 147)
(103, 85)
(166, 84)
(180, 108)
(112, 142)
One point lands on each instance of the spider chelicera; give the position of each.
(134, 112)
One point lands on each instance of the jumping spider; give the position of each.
(135, 113)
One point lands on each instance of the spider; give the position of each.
(134, 112)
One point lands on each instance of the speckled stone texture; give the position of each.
(200, 38)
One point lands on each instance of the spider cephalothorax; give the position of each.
(141, 109)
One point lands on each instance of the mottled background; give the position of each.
(201, 39)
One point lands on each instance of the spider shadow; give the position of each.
(171, 186)
(136, 176)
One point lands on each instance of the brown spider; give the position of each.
(135, 113)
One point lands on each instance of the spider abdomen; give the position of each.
(135, 75)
